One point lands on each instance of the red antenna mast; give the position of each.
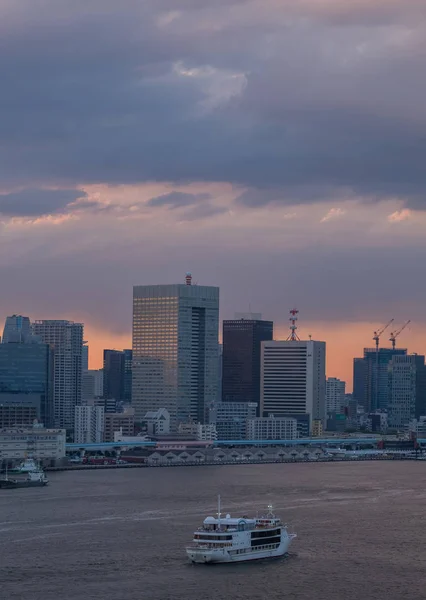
(293, 337)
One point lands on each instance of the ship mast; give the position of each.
(218, 511)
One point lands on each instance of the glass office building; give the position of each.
(26, 378)
(175, 350)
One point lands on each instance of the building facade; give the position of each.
(335, 395)
(371, 385)
(407, 390)
(157, 422)
(18, 410)
(17, 329)
(114, 367)
(272, 428)
(230, 419)
(128, 361)
(175, 350)
(293, 382)
(242, 341)
(66, 340)
(89, 424)
(43, 444)
(27, 376)
(123, 422)
(197, 431)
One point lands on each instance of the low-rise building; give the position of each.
(157, 422)
(272, 428)
(43, 444)
(417, 427)
(89, 424)
(197, 431)
(124, 422)
(231, 419)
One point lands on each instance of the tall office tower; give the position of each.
(85, 358)
(92, 385)
(407, 389)
(219, 372)
(127, 376)
(242, 341)
(16, 329)
(114, 369)
(66, 340)
(371, 384)
(26, 380)
(175, 350)
(293, 382)
(335, 395)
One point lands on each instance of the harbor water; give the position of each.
(121, 534)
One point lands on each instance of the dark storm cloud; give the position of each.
(177, 199)
(333, 97)
(36, 202)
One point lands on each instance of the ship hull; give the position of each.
(13, 484)
(216, 556)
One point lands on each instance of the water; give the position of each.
(120, 534)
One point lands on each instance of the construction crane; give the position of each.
(395, 334)
(379, 332)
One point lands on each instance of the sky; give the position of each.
(275, 148)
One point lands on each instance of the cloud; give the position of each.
(399, 215)
(333, 213)
(38, 202)
(175, 200)
(113, 94)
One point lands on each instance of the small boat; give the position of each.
(223, 540)
(33, 479)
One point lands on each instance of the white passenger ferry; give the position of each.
(228, 539)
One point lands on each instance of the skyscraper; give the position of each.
(26, 377)
(114, 368)
(407, 389)
(66, 340)
(16, 329)
(293, 381)
(335, 395)
(242, 340)
(371, 383)
(128, 358)
(175, 350)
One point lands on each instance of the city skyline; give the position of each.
(203, 147)
(341, 350)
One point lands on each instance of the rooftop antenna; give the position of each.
(293, 337)
(188, 279)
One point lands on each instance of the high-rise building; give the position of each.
(407, 389)
(92, 385)
(114, 370)
(89, 424)
(175, 350)
(242, 340)
(371, 385)
(26, 377)
(16, 329)
(335, 395)
(128, 359)
(85, 358)
(66, 340)
(293, 382)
